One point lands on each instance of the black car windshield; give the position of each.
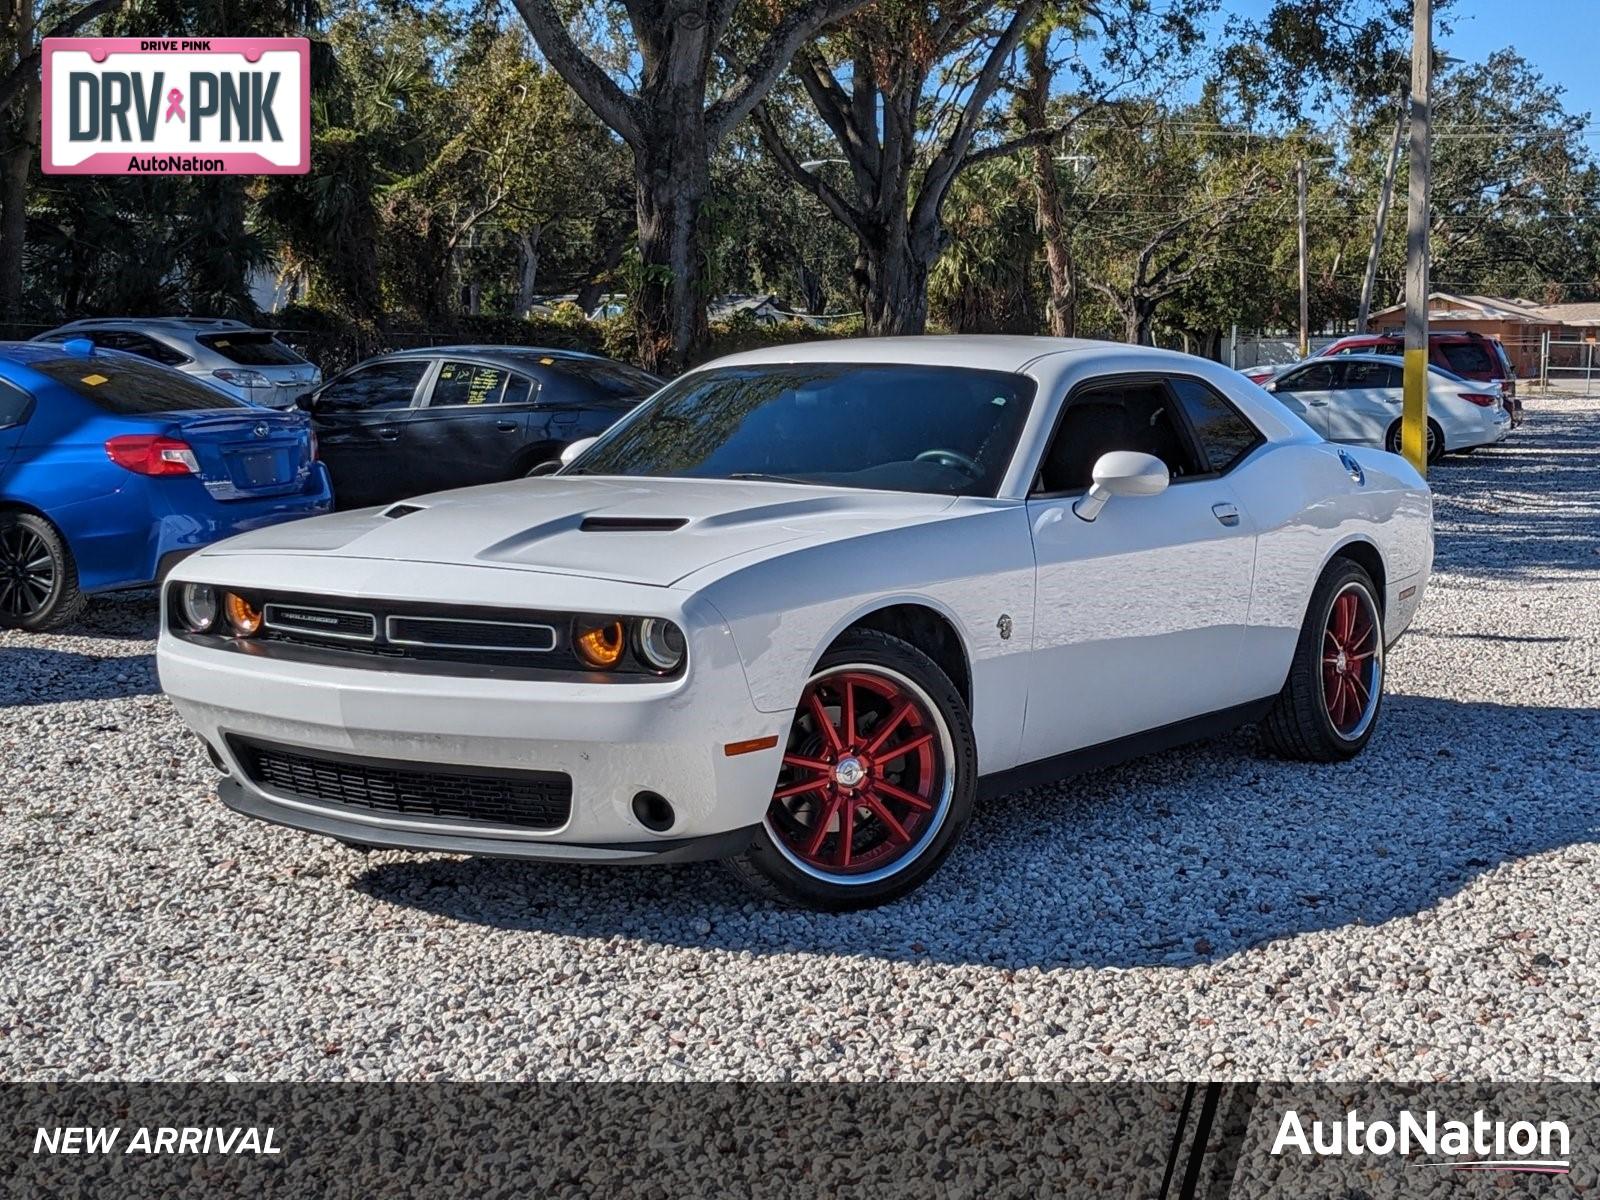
(896, 427)
(128, 386)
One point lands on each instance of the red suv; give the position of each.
(1469, 355)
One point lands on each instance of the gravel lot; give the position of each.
(1426, 912)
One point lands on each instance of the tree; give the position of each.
(906, 88)
(672, 131)
(1168, 190)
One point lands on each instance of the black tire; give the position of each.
(1436, 451)
(775, 866)
(1305, 722)
(38, 578)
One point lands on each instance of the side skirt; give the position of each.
(1121, 750)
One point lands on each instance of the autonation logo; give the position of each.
(1480, 1144)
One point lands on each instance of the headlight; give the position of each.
(660, 644)
(197, 606)
(242, 618)
(599, 644)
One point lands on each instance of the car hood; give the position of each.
(648, 531)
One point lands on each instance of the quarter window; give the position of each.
(1224, 435)
(14, 403)
(1466, 358)
(1134, 416)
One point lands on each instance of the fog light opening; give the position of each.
(216, 759)
(653, 812)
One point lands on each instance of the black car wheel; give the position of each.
(38, 579)
(1435, 440)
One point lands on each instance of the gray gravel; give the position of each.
(1426, 912)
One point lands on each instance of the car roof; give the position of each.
(27, 353)
(172, 324)
(995, 352)
(506, 354)
(1465, 335)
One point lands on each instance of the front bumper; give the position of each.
(613, 739)
(251, 803)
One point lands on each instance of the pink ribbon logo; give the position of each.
(175, 105)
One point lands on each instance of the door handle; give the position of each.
(1226, 513)
(506, 426)
(388, 433)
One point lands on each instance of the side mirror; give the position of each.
(307, 402)
(1122, 473)
(576, 448)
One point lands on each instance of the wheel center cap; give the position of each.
(1342, 663)
(848, 772)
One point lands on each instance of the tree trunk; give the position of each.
(14, 168)
(1061, 310)
(1136, 319)
(894, 265)
(529, 277)
(599, 275)
(671, 177)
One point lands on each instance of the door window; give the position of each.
(1370, 375)
(463, 384)
(383, 385)
(1133, 416)
(1318, 377)
(1225, 436)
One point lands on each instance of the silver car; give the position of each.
(248, 364)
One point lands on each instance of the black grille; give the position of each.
(469, 635)
(328, 622)
(521, 799)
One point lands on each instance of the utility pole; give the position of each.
(1305, 266)
(1414, 410)
(1384, 198)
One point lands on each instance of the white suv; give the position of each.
(248, 364)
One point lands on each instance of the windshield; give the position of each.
(251, 349)
(895, 427)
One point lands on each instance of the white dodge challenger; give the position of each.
(803, 608)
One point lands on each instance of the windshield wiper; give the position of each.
(770, 478)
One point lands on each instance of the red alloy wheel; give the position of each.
(864, 775)
(1350, 663)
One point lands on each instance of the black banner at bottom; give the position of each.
(657, 1141)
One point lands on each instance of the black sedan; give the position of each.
(453, 416)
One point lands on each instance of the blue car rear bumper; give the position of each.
(130, 537)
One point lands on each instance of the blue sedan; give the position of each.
(112, 468)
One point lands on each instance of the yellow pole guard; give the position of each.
(1414, 410)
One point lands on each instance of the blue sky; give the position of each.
(1557, 36)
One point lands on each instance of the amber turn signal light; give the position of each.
(601, 645)
(242, 619)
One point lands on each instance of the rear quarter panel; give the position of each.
(1307, 508)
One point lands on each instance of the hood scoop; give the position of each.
(631, 524)
(401, 510)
